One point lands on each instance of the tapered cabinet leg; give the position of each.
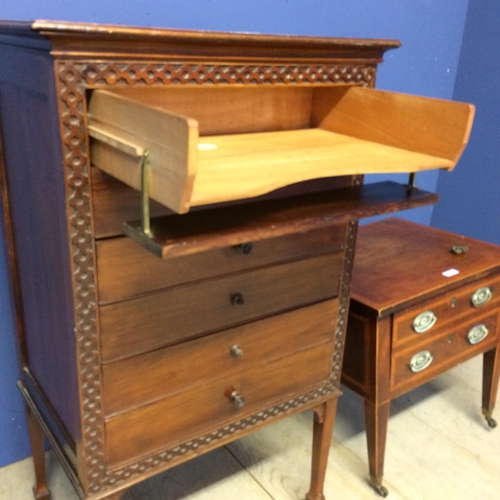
(491, 374)
(37, 440)
(376, 421)
(324, 419)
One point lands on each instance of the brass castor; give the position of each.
(491, 422)
(376, 484)
(319, 496)
(381, 490)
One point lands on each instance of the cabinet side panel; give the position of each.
(37, 200)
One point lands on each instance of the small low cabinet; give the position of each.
(422, 301)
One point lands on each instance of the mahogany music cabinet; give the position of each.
(181, 212)
(422, 301)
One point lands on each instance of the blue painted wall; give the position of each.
(431, 32)
(470, 197)
(13, 439)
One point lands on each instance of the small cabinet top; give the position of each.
(399, 262)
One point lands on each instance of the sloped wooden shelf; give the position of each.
(295, 156)
(277, 137)
(177, 235)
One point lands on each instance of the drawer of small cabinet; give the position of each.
(170, 316)
(125, 269)
(428, 318)
(462, 340)
(154, 375)
(205, 408)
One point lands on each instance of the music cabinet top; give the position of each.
(84, 39)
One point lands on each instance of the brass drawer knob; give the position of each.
(237, 299)
(481, 296)
(421, 361)
(424, 321)
(459, 249)
(477, 334)
(236, 351)
(237, 400)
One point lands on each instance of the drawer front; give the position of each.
(151, 376)
(435, 314)
(114, 202)
(125, 269)
(202, 409)
(163, 318)
(414, 366)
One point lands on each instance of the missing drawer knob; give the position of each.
(420, 361)
(481, 296)
(424, 321)
(237, 400)
(237, 299)
(236, 351)
(477, 334)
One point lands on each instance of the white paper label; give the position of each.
(206, 147)
(450, 273)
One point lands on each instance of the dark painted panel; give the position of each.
(37, 194)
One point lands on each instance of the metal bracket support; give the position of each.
(145, 216)
(411, 180)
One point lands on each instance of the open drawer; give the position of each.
(212, 145)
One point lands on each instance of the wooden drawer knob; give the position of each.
(237, 299)
(237, 400)
(244, 248)
(421, 361)
(477, 334)
(481, 296)
(424, 321)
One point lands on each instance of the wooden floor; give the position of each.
(439, 447)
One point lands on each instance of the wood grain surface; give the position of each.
(447, 350)
(352, 131)
(151, 376)
(239, 109)
(125, 269)
(456, 304)
(166, 317)
(390, 274)
(114, 202)
(435, 127)
(201, 409)
(199, 231)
